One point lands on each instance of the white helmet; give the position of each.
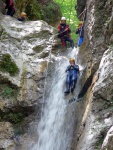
(63, 18)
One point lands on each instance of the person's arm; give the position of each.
(78, 70)
(77, 31)
(68, 68)
(76, 67)
(68, 29)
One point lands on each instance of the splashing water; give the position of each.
(54, 134)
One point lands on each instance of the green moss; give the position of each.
(100, 141)
(12, 117)
(7, 65)
(17, 129)
(7, 89)
(7, 92)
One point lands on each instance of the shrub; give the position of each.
(13, 117)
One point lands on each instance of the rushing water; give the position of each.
(55, 128)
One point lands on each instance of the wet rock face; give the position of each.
(80, 6)
(6, 136)
(28, 45)
(108, 141)
(1, 7)
(29, 48)
(100, 112)
(96, 54)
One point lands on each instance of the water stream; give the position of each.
(56, 126)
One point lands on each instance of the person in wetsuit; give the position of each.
(22, 16)
(72, 73)
(80, 31)
(64, 33)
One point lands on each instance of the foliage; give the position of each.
(68, 10)
(7, 65)
(12, 117)
(7, 92)
(42, 10)
(7, 89)
(100, 141)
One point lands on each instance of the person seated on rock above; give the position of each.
(80, 31)
(72, 73)
(10, 7)
(64, 33)
(22, 16)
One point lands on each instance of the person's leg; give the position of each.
(71, 41)
(8, 12)
(67, 85)
(12, 12)
(80, 41)
(63, 42)
(74, 80)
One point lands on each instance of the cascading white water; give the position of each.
(52, 130)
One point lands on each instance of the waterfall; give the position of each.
(56, 125)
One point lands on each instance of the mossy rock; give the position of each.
(12, 117)
(7, 89)
(7, 65)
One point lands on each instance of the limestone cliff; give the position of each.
(24, 54)
(96, 118)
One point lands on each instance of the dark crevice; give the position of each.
(88, 82)
(86, 86)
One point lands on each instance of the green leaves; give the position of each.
(7, 92)
(68, 10)
(12, 117)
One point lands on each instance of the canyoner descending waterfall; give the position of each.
(55, 129)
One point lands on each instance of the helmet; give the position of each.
(81, 23)
(23, 14)
(63, 18)
(72, 60)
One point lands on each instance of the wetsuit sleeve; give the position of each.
(77, 31)
(76, 67)
(68, 68)
(7, 4)
(78, 71)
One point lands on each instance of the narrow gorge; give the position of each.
(34, 112)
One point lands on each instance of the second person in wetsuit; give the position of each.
(64, 33)
(80, 31)
(22, 17)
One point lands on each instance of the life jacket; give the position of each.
(62, 32)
